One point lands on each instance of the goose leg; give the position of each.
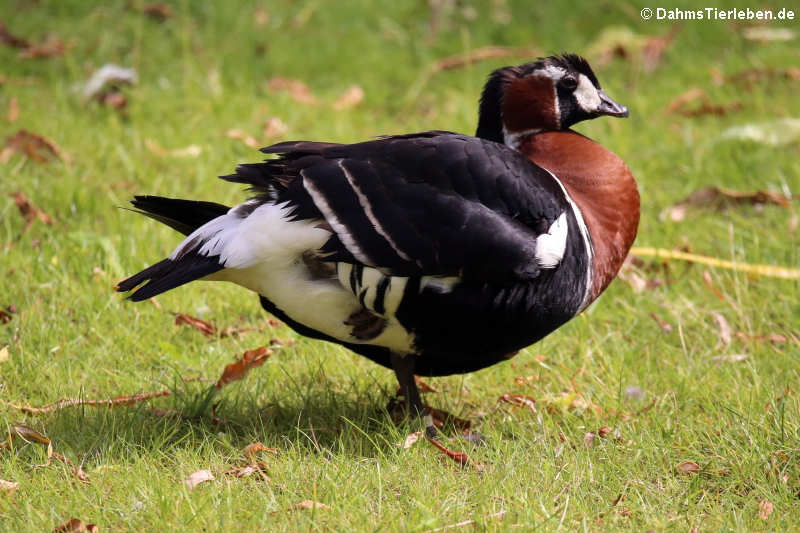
(404, 370)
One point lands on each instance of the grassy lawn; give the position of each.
(655, 366)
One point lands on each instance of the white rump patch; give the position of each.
(550, 246)
(586, 94)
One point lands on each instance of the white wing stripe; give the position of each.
(341, 230)
(587, 241)
(362, 199)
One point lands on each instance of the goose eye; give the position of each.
(568, 82)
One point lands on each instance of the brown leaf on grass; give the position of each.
(259, 467)
(3, 354)
(765, 509)
(461, 458)
(411, 439)
(74, 525)
(63, 403)
(25, 433)
(665, 326)
(695, 102)
(710, 284)
(260, 16)
(7, 314)
(249, 360)
(424, 387)
(603, 431)
(688, 467)
(77, 471)
(7, 38)
(750, 77)
(306, 505)
(13, 109)
(769, 337)
(519, 400)
(297, 89)
(8, 486)
(206, 328)
(721, 198)
(201, 476)
(766, 34)
(481, 54)
(239, 135)
(32, 146)
(274, 341)
(274, 128)
(30, 212)
(251, 450)
(349, 98)
(158, 11)
(192, 150)
(588, 439)
(655, 47)
(52, 46)
(724, 328)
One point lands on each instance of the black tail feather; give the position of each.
(168, 274)
(184, 216)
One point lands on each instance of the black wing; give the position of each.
(433, 203)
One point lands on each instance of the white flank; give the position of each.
(587, 241)
(341, 230)
(550, 246)
(586, 94)
(362, 199)
(263, 252)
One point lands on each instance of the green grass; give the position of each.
(202, 72)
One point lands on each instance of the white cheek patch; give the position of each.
(586, 94)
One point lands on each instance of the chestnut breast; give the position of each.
(602, 187)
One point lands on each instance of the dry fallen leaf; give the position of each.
(724, 328)
(31, 145)
(695, 102)
(588, 439)
(160, 12)
(105, 83)
(63, 403)
(8, 486)
(461, 458)
(30, 212)
(4, 354)
(6, 37)
(247, 470)
(77, 471)
(52, 46)
(26, 434)
(722, 197)
(770, 337)
(249, 360)
(765, 509)
(688, 467)
(411, 440)
(349, 98)
(298, 90)
(665, 326)
(307, 505)
(13, 109)
(519, 400)
(239, 135)
(75, 526)
(275, 128)
(206, 328)
(198, 477)
(655, 47)
(481, 54)
(251, 450)
(603, 431)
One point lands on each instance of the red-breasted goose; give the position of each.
(430, 253)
